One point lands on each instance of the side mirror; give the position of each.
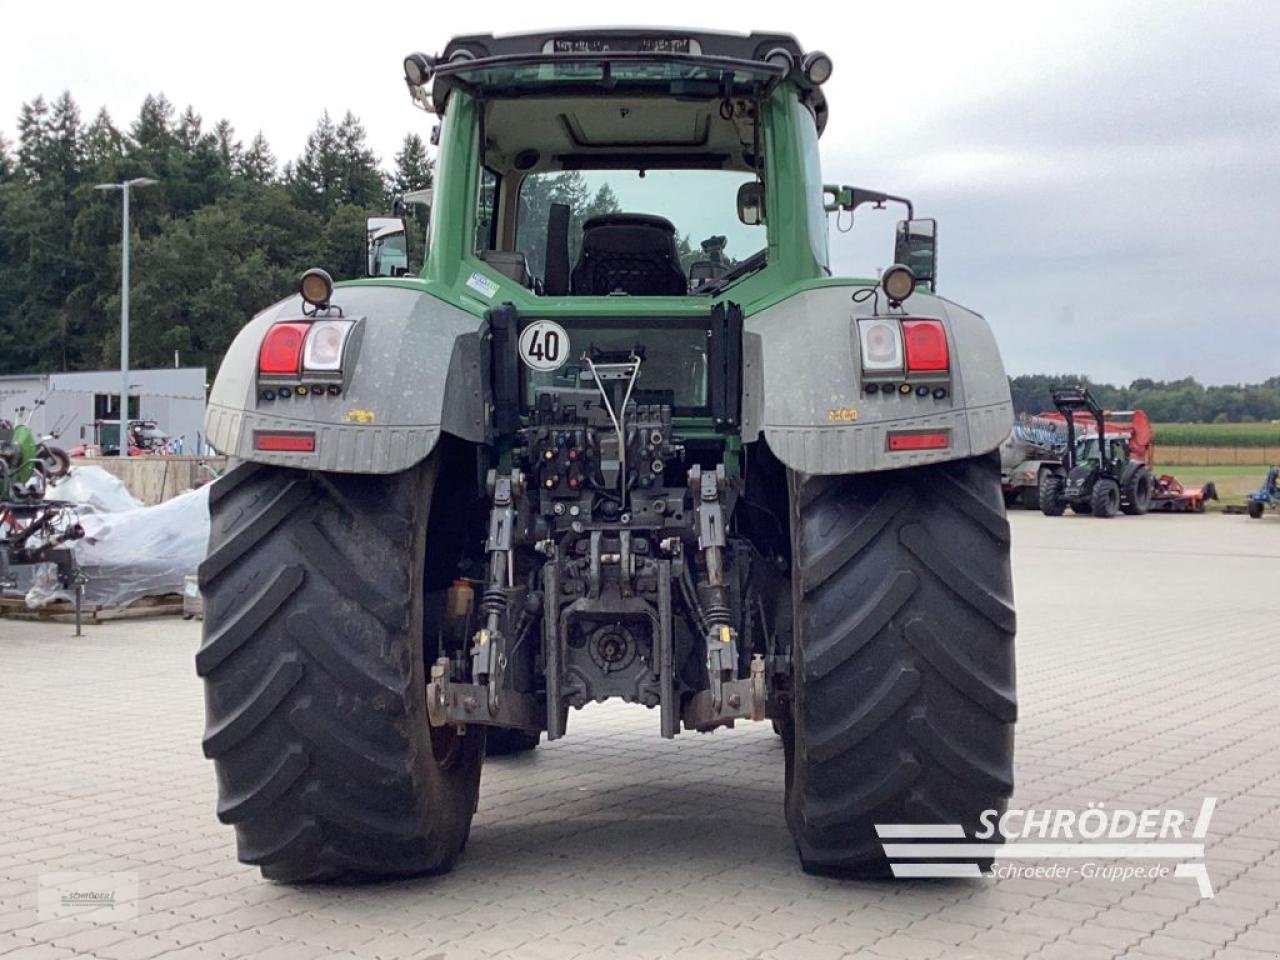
(916, 246)
(386, 247)
(751, 203)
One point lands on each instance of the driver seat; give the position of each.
(632, 253)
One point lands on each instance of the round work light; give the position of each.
(780, 57)
(816, 67)
(316, 287)
(417, 69)
(898, 282)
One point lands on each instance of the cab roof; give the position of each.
(701, 63)
(707, 43)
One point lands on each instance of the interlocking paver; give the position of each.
(613, 843)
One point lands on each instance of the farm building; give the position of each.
(75, 405)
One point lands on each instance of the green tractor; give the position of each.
(548, 470)
(1100, 474)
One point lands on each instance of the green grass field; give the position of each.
(1218, 434)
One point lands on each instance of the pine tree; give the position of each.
(103, 146)
(65, 145)
(189, 128)
(33, 138)
(152, 132)
(257, 163)
(605, 201)
(229, 148)
(362, 183)
(6, 162)
(413, 166)
(315, 178)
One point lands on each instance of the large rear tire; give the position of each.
(314, 677)
(903, 658)
(1137, 493)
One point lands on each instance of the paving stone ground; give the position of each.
(1149, 675)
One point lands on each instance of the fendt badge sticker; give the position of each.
(544, 346)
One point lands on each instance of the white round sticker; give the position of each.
(544, 346)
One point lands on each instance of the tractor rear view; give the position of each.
(561, 466)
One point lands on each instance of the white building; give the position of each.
(74, 404)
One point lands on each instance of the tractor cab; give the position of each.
(587, 165)
(1115, 450)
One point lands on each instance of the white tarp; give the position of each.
(134, 553)
(93, 490)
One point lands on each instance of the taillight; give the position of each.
(281, 350)
(899, 440)
(926, 342)
(285, 442)
(881, 340)
(324, 345)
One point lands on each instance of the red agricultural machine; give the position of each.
(1068, 449)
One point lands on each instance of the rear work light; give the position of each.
(285, 442)
(281, 350)
(881, 341)
(324, 345)
(919, 440)
(926, 342)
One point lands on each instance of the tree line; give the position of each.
(225, 231)
(1165, 401)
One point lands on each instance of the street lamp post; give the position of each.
(123, 187)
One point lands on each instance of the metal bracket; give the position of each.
(460, 703)
(742, 700)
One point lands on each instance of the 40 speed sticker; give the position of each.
(544, 346)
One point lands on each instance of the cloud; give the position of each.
(1104, 174)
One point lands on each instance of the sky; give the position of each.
(1106, 175)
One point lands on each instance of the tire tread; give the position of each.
(905, 697)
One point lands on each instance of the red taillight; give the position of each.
(286, 442)
(926, 345)
(281, 351)
(920, 440)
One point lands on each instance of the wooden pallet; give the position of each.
(16, 608)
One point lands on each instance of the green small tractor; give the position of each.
(1098, 475)
(552, 469)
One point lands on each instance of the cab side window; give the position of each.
(486, 211)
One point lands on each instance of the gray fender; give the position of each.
(416, 371)
(802, 386)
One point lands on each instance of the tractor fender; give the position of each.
(412, 368)
(803, 390)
